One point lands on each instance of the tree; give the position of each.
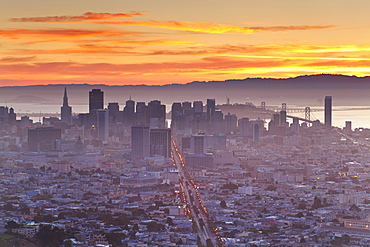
(50, 236)
(10, 225)
(271, 188)
(170, 221)
(154, 226)
(135, 228)
(68, 243)
(115, 238)
(209, 243)
(229, 186)
(299, 215)
(25, 210)
(316, 203)
(346, 239)
(354, 207)
(302, 205)
(166, 211)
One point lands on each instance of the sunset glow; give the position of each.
(145, 43)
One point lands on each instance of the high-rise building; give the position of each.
(113, 111)
(276, 118)
(128, 117)
(12, 116)
(243, 126)
(348, 127)
(328, 111)
(231, 122)
(96, 100)
(211, 108)
(142, 113)
(42, 139)
(198, 107)
(157, 114)
(102, 117)
(186, 105)
(25, 122)
(295, 124)
(140, 142)
(256, 132)
(65, 110)
(283, 121)
(176, 112)
(198, 144)
(160, 142)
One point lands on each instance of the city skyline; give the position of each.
(172, 42)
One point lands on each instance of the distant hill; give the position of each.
(29, 99)
(301, 90)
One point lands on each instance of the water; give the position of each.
(359, 117)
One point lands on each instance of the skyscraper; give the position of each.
(211, 108)
(160, 142)
(96, 100)
(42, 139)
(113, 111)
(140, 142)
(198, 107)
(65, 110)
(102, 117)
(256, 132)
(157, 114)
(129, 113)
(328, 111)
(198, 144)
(243, 126)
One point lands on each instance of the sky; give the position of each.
(157, 42)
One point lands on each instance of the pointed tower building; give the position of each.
(66, 110)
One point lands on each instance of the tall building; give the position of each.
(102, 117)
(140, 142)
(12, 116)
(276, 118)
(243, 126)
(176, 112)
(198, 107)
(156, 114)
(160, 142)
(231, 122)
(295, 124)
(142, 113)
(65, 110)
(256, 132)
(211, 108)
(348, 127)
(198, 144)
(113, 111)
(283, 121)
(96, 100)
(128, 117)
(328, 111)
(42, 139)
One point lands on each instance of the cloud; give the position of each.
(61, 33)
(211, 27)
(88, 16)
(206, 65)
(17, 59)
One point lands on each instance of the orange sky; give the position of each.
(161, 42)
